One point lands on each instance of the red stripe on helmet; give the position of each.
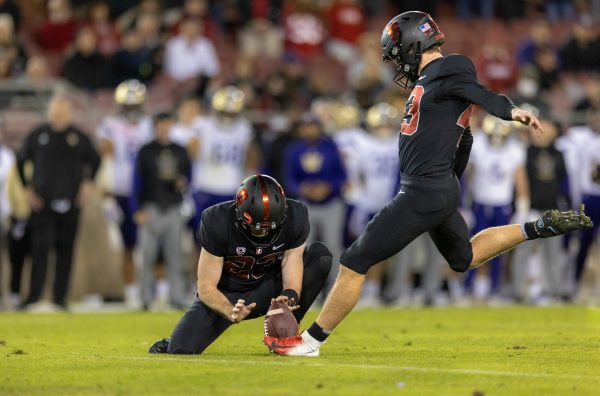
(265, 198)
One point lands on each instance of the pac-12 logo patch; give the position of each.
(240, 251)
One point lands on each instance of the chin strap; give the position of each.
(406, 78)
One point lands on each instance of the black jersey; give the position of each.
(438, 110)
(245, 265)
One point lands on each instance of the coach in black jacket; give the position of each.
(64, 165)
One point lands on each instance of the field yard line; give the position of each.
(303, 363)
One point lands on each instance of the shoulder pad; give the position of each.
(457, 64)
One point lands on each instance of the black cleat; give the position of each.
(160, 346)
(554, 222)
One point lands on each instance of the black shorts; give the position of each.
(424, 204)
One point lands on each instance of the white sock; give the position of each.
(310, 340)
(162, 290)
(15, 299)
(481, 287)
(132, 292)
(455, 288)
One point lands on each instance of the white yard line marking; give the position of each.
(304, 363)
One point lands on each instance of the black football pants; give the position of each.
(424, 204)
(19, 247)
(200, 325)
(52, 230)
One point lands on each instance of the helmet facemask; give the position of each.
(407, 71)
(260, 234)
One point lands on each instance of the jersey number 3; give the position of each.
(410, 123)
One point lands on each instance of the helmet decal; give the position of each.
(242, 196)
(393, 31)
(247, 218)
(265, 198)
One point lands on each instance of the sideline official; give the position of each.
(64, 165)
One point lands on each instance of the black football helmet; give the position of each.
(403, 41)
(260, 209)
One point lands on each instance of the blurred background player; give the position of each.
(185, 130)
(316, 175)
(162, 174)
(226, 151)
(497, 171)
(121, 136)
(379, 179)
(348, 137)
(539, 269)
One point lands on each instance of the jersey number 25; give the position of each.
(410, 123)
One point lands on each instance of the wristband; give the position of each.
(291, 294)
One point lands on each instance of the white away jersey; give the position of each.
(573, 145)
(220, 166)
(348, 142)
(127, 138)
(379, 170)
(494, 169)
(182, 134)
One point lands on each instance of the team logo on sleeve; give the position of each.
(240, 251)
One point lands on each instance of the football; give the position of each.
(280, 322)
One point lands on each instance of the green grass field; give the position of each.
(501, 351)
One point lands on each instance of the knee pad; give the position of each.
(317, 249)
(319, 254)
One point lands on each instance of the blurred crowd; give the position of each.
(154, 110)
